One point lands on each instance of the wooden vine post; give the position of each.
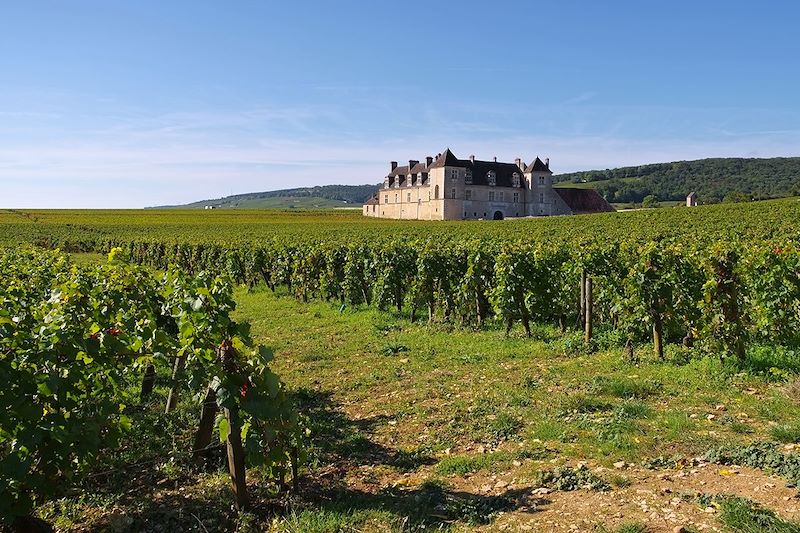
(234, 440)
(177, 370)
(148, 381)
(628, 352)
(205, 429)
(582, 303)
(588, 303)
(658, 333)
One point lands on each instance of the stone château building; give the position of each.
(448, 188)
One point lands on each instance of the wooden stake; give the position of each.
(587, 336)
(236, 466)
(236, 458)
(177, 370)
(582, 311)
(658, 346)
(148, 381)
(628, 353)
(205, 429)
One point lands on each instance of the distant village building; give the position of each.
(691, 199)
(448, 188)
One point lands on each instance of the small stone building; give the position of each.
(448, 188)
(691, 199)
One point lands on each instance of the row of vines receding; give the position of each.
(719, 295)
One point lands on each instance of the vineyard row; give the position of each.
(723, 294)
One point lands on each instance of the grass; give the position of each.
(461, 465)
(743, 516)
(628, 527)
(396, 407)
(788, 433)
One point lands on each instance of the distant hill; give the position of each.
(319, 197)
(712, 179)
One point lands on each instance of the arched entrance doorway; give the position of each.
(498, 215)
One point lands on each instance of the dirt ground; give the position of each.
(663, 500)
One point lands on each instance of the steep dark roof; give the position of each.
(504, 172)
(399, 171)
(419, 168)
(446, 159)
(372, 201)
(480, 169)
(537, 166)
(583, 200)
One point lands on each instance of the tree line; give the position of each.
(714, 180)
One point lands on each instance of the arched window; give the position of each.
(491, 178)
(436, 193)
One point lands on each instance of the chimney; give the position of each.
(428, 161)
(547, 162)
(411, 163)
(518, 161)
(393, 164)
(472, 158)
(495, 159)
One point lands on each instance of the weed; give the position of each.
(470, 509)
(633, 409)
(677, 423)
(393, 349)
(789, 433)
(633, 527)
(761, 455)
(743, 516)
(619, 481)
(616, 431)
(774, 362)
(572, 344)
(661, 462)
(566, 478)
(460, 465)
(550, 430)
(629, 527)
(609, 338)
(530, 383)
(504, 426)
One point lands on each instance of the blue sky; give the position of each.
(128, 104)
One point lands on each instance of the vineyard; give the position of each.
(83, 345)
(73, 340)
(720, 276)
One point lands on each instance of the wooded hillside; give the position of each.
(712, 179)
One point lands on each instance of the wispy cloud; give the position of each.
(581, 98)
(135, 159)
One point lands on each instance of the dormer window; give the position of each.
(468, 176)
(515, 179)
(491, 178)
